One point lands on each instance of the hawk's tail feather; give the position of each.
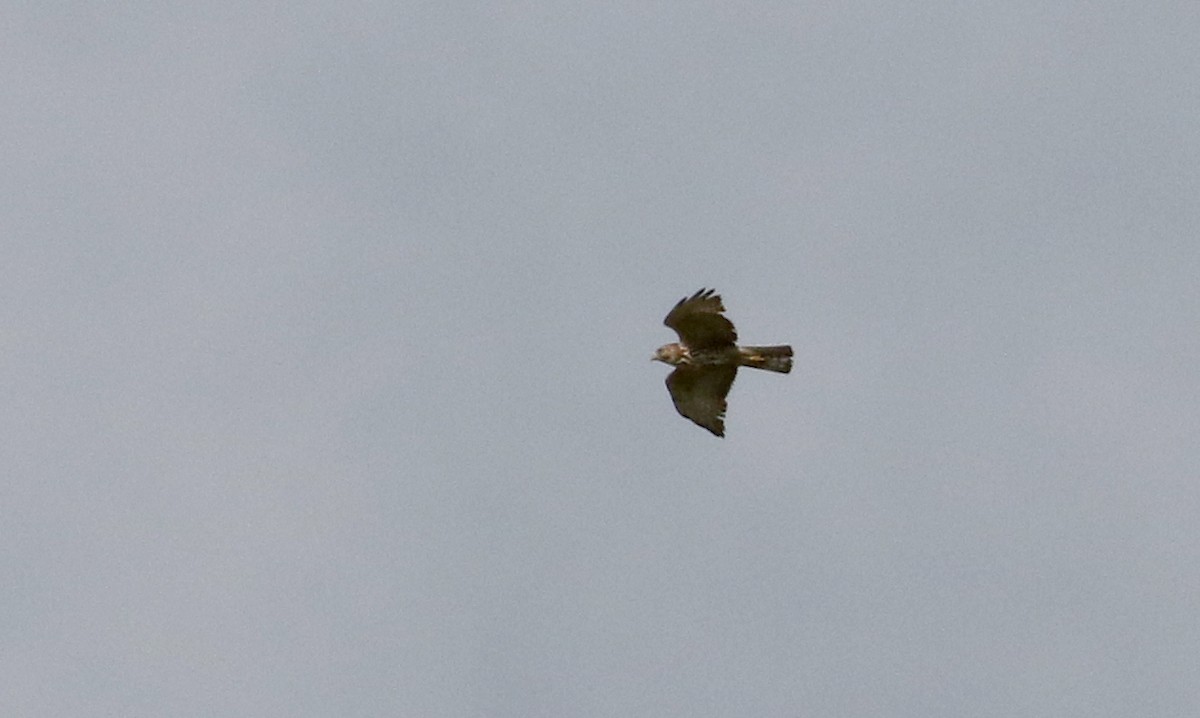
(770, 358)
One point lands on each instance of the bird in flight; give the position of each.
(706, 359)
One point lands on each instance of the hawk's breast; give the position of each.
(714, 357)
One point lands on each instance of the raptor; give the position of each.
(707, 357)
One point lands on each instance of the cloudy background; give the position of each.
(325, 369)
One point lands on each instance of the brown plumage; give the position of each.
(707, 357)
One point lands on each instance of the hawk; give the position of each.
(707, 357)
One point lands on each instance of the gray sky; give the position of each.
(326, 336)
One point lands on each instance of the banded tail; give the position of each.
(770, 358)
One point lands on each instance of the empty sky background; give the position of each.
(325, 377)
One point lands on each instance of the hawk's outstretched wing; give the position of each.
(699, 394)
(698, 321)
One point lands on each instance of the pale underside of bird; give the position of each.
(706, 359)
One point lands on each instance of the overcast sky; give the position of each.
(325, 359)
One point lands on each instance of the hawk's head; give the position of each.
(673, 354)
